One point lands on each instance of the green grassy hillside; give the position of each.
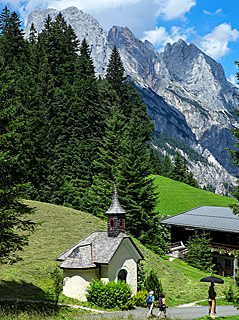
(176, 197)
(61, 228)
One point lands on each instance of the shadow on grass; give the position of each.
(34, 310)
(23, 290)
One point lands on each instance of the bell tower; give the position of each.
(116, 216)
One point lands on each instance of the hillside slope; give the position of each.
(61, 228)
(176, 197)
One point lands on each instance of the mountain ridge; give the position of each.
(186, 91)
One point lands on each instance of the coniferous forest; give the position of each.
(66, 134)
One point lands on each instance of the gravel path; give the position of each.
(180, 312)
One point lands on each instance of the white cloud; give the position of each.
(213, 13)
(232, 78)
(90, 4)
(215, 44)
(167, 9)
(173, 9)
(159, 37)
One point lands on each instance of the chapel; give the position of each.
(109, 255)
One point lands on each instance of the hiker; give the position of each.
(150, 303)
(162, 305)
(212, 300)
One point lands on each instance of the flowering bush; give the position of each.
(140, 298)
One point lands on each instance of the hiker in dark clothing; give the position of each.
(162, 305)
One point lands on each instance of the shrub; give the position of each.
(199, 252)
(140, 298)
(57, 278)
(109, 295)
(152, 282)
(140, 275)
(229, 294)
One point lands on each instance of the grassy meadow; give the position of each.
(62, 227)
(175, 197)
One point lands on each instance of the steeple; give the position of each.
(116, 216)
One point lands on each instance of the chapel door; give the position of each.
(122, 275)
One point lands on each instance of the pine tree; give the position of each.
(123, 154)
(136, 189)
(106, 164)
(166, 166)
(13, 46)
(58, 43)
(199, 252)
(152, 282)
(179, 172)
(154, 161)
(115, 72)
(14, 214)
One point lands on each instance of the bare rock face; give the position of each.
(186, 91)
(189, 81)
(84, 25)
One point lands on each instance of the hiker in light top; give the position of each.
(162, 305)
(150, 303)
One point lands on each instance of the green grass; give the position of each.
(62, 227)
(176, 197)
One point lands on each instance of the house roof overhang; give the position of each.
(207, 218)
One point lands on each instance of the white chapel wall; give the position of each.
(123, 260)
(76, 282)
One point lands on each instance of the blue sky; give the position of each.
(212, 25)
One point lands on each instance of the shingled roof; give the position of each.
(115, 207)
(206, 217)
(96, 248)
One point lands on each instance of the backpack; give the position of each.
(160, 302)
(148, 299)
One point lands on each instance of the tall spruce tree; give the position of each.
(106, 164)
(59, 44)
(15, 224)
(123, 154)
(13, 46)
(166, 166)
(179, 171)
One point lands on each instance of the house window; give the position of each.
(112, 223)
(121, 223)
(122, 275)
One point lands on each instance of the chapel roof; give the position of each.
(115, 207)
(96, 248)
(208, 218)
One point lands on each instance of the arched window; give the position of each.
(121, 223)
(122, 275)
(112, 223)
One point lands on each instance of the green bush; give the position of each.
(152, 282)
(229, 293)
(140, 298)
(199, 252)
(109, 295)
